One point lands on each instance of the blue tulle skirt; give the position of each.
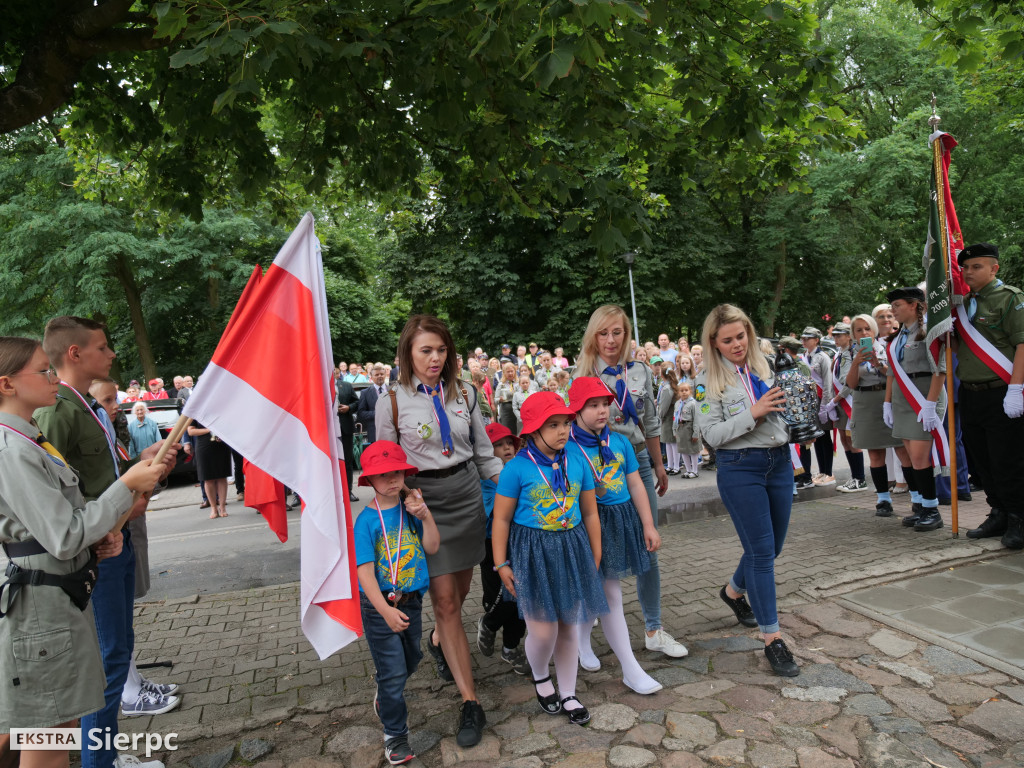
(555, 575)
(623, 549)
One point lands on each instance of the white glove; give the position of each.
(887, 414)
(833, 410)
(927, 418)
(1013, 403)
(823, 414)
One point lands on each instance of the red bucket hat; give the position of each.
(541, 406)
(497, 432)
(586, 388)
(381, 457)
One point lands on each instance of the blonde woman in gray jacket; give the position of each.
(739, 415)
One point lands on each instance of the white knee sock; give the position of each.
(133, 685)
(672, 452)
(617, 633)
(539, 647)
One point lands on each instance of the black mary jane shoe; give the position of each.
(579, 716)
(550, 703)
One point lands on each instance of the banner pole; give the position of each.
(940, 202)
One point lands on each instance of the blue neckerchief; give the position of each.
(588, 439)
(558, 481)
(440, 415)
(622, 397)
(899, 344)
(759, 387)
(972, 302)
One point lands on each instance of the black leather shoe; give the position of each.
(964, 496)
(471, 724)
(550, 702)
(916, 510)
(1014, 536)
(578, 716)
(994, 525)
(781, 659)
(883, 509)
(929, 521)
(352, 496)
(739, 605)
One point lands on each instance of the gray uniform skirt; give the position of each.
(457, 505)
(904, 421)
(869, 431)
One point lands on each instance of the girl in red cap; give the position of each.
(544, 557)
(627, 529)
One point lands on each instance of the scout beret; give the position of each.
(841, 328)
(810, 333)
(910, 293)
(790, 342)
(977, 250)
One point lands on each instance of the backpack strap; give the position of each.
(394, 413)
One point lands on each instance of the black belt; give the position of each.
(872, 388)
(919, 375)
(23, 548)
(437, 474)
(78, 585)
(978, 387)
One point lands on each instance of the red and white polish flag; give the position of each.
(268, 392)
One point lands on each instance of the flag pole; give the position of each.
(940, 202)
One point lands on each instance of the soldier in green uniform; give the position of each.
(990, 409)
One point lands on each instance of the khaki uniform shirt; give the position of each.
(1000, 319)
(640, 386)
(726, 422)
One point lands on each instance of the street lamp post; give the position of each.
(629, 257)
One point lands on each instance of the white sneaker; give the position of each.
(664, 642)
(148, 703)
(125, 760)
(589, 660)
(161, 689)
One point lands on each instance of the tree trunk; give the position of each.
(126, 277)
(780, 286)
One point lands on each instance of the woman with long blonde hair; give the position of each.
(606, 351)
(739, 409)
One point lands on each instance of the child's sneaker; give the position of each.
(397, 750)
(517, 659)
(484, 638)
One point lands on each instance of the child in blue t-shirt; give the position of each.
(627, 527)
(499, 613)
(545, 558)
(392, 538)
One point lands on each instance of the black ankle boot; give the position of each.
(1014, 536)
(994, 525)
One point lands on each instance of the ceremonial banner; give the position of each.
(268, 392)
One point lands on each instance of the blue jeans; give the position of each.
(395, 657)
(648, 583)
(112, 600)
(756, 485)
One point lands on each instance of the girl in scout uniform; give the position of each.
(909, 349)
(503, 395)
(667, 397)
(439, 426)
(866, 379)
(51, 671)
(685, 430)
(739, 416)
(840, 368)
(606, 347)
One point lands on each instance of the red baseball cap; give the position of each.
(586, 388)
(154, 382)
(541, 406)
(381, 457)
(497, 432)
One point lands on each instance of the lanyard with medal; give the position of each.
(562, 505)
(748, 385)
(55, 458)
(598, 476)
(393, 563)
(115, 447)
(620, 404)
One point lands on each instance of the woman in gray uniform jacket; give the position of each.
(914, 428)
(634, 414)
(51, 671)
(739, 416)
(441, 430)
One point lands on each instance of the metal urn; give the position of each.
(801, 414)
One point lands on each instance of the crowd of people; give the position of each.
(543, 472)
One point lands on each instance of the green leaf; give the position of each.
(775, 11)
(556, 63)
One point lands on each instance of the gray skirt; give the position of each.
(457, 505)
(904, 421)
(869, 431)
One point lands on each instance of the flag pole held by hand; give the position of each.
(171, 439)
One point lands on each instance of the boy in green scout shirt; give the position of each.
(80, 429)
(991, 410)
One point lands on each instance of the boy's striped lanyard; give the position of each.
(564, 503)
(393, 563)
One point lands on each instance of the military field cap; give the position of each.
(810, 333)
(977, 250)
(910, 293)
(790, 342)
(841, 328)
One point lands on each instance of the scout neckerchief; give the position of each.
(989, 354)
(108, 429)
(622, 399)
(913, 396)
(42, 444)
(845, 403)
(559, 475)
(437, 402)
(752, 384)
(393, 562)
(586, 439)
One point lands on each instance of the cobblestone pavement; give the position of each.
(868, 695)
